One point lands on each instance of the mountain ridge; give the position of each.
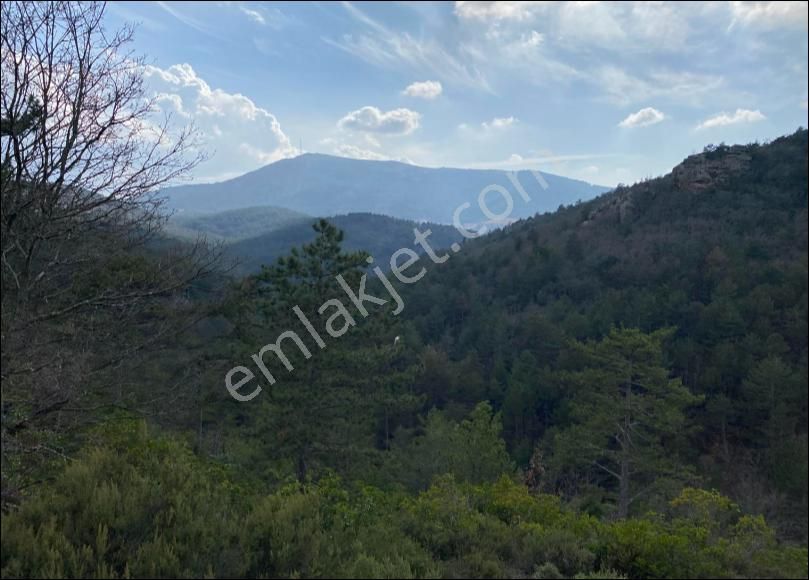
(325, 185)
(379, 235)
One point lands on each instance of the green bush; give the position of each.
(148, 507)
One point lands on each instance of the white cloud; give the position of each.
(590, 23)
(383, 47)
(253, 15)
(643, 118)
(532, 39)
(424, 89)
(499, 123)
(770, 15)
(613, 26)
(347, 150)
(238, 135)
(371, 119)
(622, 88)
(371, 140)
(740, 116)
(590, 170)
(496, 11)
(260, 155)
(535, 160)
(354, 152)
(488, 130)
(526, 54)
(190, 21)
(174, 104)
(663, 26)
(544, 43)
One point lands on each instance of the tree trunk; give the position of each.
(623, 490)
(301, 466)
(626, 444)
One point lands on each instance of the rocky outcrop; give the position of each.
(713, 167)
(618, 206)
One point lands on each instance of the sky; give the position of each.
(605, 92)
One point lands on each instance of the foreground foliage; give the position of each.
(145, 506)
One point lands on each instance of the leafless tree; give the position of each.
(84, 154)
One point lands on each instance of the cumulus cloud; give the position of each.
(238, 135)
(372, 120)
(740, 116)
(643, 118)
(424, 89)
(257, 153)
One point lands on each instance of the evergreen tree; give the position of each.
(625, 408)
(325, 409)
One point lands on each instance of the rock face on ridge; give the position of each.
(712, 167)
(715, 167)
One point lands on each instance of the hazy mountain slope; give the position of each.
(232, 225)
(324, 185)
(378, 235)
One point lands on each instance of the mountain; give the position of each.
(323, 185)
(378, 235)
(233, 225)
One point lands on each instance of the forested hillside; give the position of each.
(378, 235)
(260, 235)
(233, 225)
(714, 253)
(616, 389)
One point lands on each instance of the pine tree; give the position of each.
(328, 410)
(626, 411)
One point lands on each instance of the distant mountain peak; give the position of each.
(326, 185)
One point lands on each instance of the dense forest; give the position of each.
(616, 389)
(260, 235)
(376, 234)
(710, 258)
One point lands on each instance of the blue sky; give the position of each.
(606, 92)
